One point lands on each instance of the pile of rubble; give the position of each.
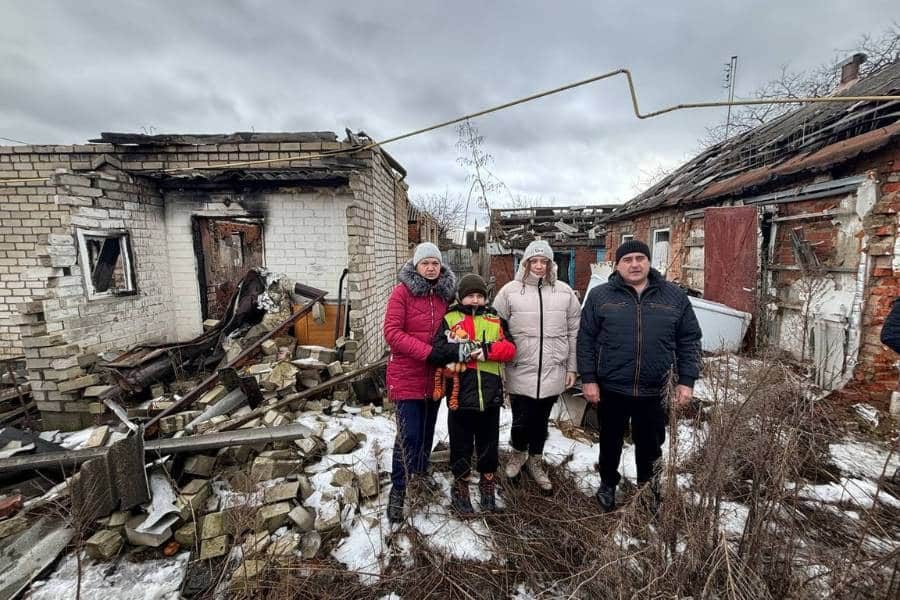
(225, 477)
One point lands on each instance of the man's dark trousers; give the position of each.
(648, 431)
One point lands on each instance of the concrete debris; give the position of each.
(328, 516)
(104, 544)
(265, 468)
(256, 544)
(186, 535)
(302, 518)
(284, 547)
(153, 538)
(282, 492)
(369, 485)
(344, 442)
(310, 543)
(247, 575)
(200, 465)
(341, 477)
(214, 547)
(272, 516)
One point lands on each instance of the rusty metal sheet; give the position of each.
(730, 256)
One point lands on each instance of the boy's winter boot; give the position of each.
(488, 493)
(395, 505)
(516, 461)
(606, 497)
(535, 467)
(459, 497)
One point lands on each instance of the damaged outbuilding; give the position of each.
(139, 239)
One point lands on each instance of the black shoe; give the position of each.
(487, 488)
(459, 497)
(606, 496)
(395, 505)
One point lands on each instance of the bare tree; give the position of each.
(448, 211)
(484, 185)
(880, 50)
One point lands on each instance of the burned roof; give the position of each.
(239, 137)
(808, 139)
(517, 227)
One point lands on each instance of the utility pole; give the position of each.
(730, 77)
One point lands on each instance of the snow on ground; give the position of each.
(370, 542)
(733, 518)
(863, 459)
(859, 492)
(122, 580)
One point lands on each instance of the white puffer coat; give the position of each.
(543, 317)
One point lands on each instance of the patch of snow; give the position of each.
(867, 413)
(860, 492)
(75, 439)
(863, 459)
(364, 550)
(125, 580)
(733, 518)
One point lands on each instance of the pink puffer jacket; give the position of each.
(414, 312)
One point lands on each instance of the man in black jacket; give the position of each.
(634, 329)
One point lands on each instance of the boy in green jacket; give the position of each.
(471, 343)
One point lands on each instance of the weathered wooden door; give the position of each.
(730, 260)
(226, 250)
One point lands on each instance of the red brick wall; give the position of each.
(502, 269)
(875, 372)
(585, 256)
(642, 227)
(413, 234)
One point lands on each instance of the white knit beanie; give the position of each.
(538, 248)
(426, 250)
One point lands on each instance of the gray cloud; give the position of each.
(70, 70)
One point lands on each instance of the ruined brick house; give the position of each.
(422, 227)
(796, 223)
(576, 234)
(123, 241)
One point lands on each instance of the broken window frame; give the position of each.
(125, 255)
(654, 259)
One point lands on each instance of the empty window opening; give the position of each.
(106, 263)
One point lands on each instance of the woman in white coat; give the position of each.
(543, 315)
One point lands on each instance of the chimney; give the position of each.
(850, 69)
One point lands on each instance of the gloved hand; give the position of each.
(440, 359)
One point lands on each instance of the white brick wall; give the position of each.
(305, 237)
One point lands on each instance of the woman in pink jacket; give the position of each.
(415, 309)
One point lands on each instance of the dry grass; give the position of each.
(751, 453)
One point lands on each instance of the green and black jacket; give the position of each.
(480, 386)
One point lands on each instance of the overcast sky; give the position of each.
(69, 70)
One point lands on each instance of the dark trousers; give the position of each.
(648, 431)
(414, 439)
(529, 425)
(473, 430)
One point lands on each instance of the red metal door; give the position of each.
(227, 249)
(730, 256)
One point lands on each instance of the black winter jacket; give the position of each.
(628, 344)
(890, 331)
